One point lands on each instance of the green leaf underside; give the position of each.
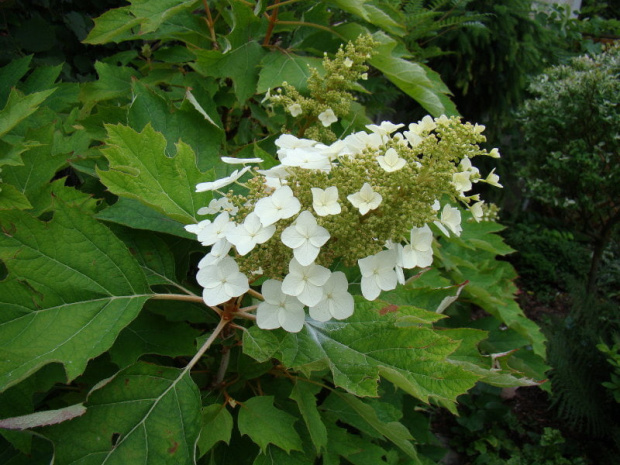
(146, 414)
(72, 287)
(266, 424)
(18, 107)
(366, 346)
(140, 170)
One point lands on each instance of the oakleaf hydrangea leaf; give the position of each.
(304, 394)
(266, 424)
(145, 415)
(217, 425)
(72, 286)
(140, 170)
(366, 346)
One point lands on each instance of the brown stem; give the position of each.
(317, 26)
(277, 4)
(273, 19)
(256, 294)
(216, 332)
(186, 298)
(210, 23)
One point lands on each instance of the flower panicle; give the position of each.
(372, 200)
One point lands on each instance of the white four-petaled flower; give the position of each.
(223, 182)
(305, 237)
(246, 235)
(391, 161)
(366, 199)
(450, 217)
(279, 309)
(280, 205)
(217, 230)
(328, 117)
(337, 302)
(295, 109)
(419, 252)
(325, 202)
(305, 282)
(222, 281)
(378, 273)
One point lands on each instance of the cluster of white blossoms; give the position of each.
(366, 201)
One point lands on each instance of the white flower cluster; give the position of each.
(306, 220)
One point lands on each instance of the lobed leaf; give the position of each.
(266, 424)
(72, 287)
(368, 345)
(146, 414)
(140, 170)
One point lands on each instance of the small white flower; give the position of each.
(217, 230)
(222, 281)
(219, 250)
(426, 124)
(295, 109)
(419, 252)
(493, 179)
(476, 210)
(366, 199)
(197, 228)
(479, 128)
(385, 128)
(240, 161)
(337, 302)
(450, 217)
(378, 273)
(364, 76)
(281, 204)
(348, 62)
(494, 153)
(218, 205)
(461, 181)
(328, 117)
(250, 233)
(279, 310)
(305, 237)
(305, 282)
(223, 182)
(391, 161)
(311, 158)
(325, 202)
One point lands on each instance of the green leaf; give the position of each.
(240, 65)
(114, 25)
(72, 288)
(153, 334)
(19, 107)
(265, 424)
(140, 170)
(278, 67)
(369, 11)
(217, 425)
(304, 394)
(185, 123)
(11, 198)
(146, 414)
(275, 456)
(11, 74)
(368, 345)
(393, 431)
(39, 165)
(136, 215)
(114, 82)
(353, 448)
(153, 12)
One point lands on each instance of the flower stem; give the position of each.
(216, 332)
(273, 18)
(256, 294)
(188, 298)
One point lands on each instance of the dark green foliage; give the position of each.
(489, 431)
(571, 158)
(52, 30)
(546, 259)
(579, 370)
